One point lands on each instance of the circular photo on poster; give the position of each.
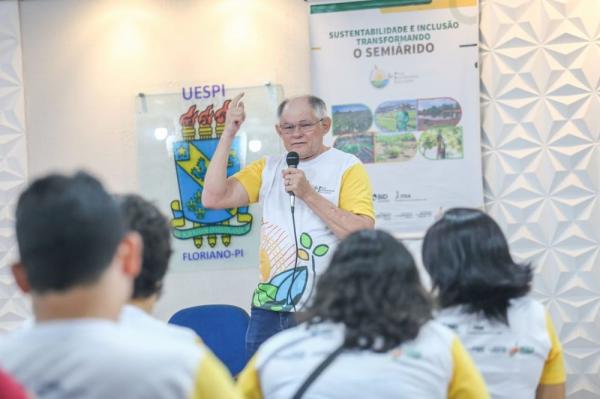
(443, 111)
(360, 145)
(395, 147)
(397, 116)
(351, 118)
(444, 142)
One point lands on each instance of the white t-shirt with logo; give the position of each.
(515, 358)
(341, 179)
(432, 366)
(100, 359)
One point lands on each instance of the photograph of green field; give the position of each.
(351, 118)
(443, 111)
(442, 143)
(360, 145)
(393, 147)
(397, 116)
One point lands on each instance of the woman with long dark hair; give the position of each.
(482, 295)
(368, 333)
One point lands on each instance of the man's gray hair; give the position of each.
(318, 106)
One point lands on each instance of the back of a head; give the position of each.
(68, 229)
(372, 286)
(145, 218)
(468, 259)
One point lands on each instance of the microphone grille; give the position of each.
(292, 159)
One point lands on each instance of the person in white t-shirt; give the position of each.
(370, 327)
(146, 219)
(78, 262)
(482, 293)
(333, 199)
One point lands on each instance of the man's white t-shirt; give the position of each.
(133, 317)
(100, 359)
(295, 251)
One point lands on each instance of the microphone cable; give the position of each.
(293, 159)
(289, 294)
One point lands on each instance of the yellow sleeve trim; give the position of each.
(213, 380)
(248, 382)
(466, 381)
(250, 178)
(356, 194)
(554, 368)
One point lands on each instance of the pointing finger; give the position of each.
(234, 102)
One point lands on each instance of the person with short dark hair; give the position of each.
(68, 229)
(370, 325)
(78, 262)
(482, 293)
(146, 219)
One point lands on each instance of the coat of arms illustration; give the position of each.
(201, 131)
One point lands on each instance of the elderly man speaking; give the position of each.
(311, 198)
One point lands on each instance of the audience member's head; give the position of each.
(467, 256)
(144, 218)
(372, 286)
(72, 240)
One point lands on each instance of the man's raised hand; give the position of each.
(235, 116)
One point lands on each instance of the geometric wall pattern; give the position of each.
(13, 160)
(540, 108)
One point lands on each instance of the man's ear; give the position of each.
(20, 275)
(130, 254)
(326, 122)
(278, 130)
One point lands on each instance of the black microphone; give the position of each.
(292, 159)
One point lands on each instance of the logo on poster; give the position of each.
(201, 92)
(379, 78)
(192, 156)
(381, 197)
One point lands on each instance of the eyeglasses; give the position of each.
(304, 127)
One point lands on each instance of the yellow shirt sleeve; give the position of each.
(248, 382)
(250, 178)
(467, 382)
(356, 194)
(554, 368)
(213, 380)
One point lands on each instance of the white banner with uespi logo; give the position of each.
(402, 81)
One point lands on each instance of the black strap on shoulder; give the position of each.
(317, 372)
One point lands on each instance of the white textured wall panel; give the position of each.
(540, 82)
(13, 160)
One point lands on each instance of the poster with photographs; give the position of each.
(402, 81)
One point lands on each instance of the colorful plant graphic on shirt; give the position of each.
(284, 291)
